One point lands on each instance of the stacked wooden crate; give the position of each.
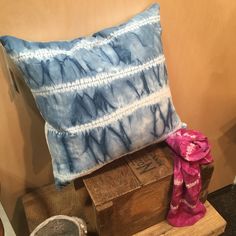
(122, 198)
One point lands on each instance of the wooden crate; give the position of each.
(47, 201)
(134, 193)
(122, 198)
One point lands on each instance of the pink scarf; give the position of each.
(191, 149)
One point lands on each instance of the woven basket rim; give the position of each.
(80, 223)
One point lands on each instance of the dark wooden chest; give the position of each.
(133, 193)
(122, 198)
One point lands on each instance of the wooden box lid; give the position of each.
(129, 173)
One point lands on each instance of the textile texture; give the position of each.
(191, 149)
(59, 225)
(102, 96)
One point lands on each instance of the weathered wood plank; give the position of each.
(110, 182)
(151, 164)
(47, 201)
(123, 197)
(134, 194)
(141, 208)
(206, 173)
(212, 224)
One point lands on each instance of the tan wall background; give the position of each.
(200, 45)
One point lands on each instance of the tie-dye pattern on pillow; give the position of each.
(102, 96)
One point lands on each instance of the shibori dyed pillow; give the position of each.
(102, 96)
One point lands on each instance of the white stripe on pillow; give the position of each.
(118, 114)
(99, 79)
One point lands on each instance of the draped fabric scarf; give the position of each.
(191, 149)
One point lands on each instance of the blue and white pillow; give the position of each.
(102, 96)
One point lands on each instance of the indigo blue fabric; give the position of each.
(102, 96)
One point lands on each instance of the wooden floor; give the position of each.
(211, 225)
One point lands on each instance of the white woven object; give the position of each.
(61, 225)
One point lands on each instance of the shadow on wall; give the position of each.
(36, 157)
(227, 142)
(216, 90)
(39, 157)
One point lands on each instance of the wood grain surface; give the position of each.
(47, 201)
(131, 195)
(212, 224)
(122, 198)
